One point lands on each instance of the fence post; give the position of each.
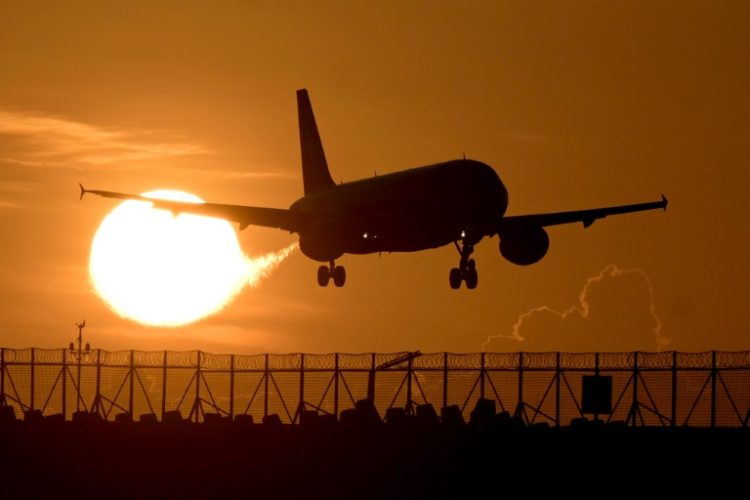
(520, 406)
(596, 373)
(408, 386)
(231, 387)
(64, 376)
(371, 380)
(266, 374)
(634, 407)
(674, 388)
(78, 380)
(33, 355)
(481, 377)
(301, 405)
(2, 377)
(164, 385)
(445, 379)
(558, 375)
(713, 389)
(596, 364)
(132, 382)
(98, 396)
(197, 404)
(336, 385)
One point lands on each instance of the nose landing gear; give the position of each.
(325, 273)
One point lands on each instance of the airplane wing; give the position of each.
(587, 217)
(243, 215)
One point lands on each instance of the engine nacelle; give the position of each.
(524, 245)
(323, 243)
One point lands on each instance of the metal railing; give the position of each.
(706, 389)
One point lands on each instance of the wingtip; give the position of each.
(83, 191)
(665, 202)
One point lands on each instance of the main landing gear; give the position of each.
(325, 273)
(466, 270)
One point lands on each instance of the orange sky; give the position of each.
(575, 104)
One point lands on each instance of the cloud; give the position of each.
(11, 186)
(58, 142)
(242, 174)
(12, 193)
(615, 312)
(8, 205)
(215, 338)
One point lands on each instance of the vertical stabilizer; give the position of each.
(315, 175)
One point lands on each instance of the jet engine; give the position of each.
(524, 245)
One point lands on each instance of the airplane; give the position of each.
(457, 202)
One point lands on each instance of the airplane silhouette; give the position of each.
(458, 202)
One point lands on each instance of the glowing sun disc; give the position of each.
(165, 270)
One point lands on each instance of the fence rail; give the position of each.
(706, 389)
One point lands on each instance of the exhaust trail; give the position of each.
(260, 267)
(583, 309)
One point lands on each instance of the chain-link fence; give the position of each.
(705, 389)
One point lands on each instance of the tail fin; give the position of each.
(315, 175)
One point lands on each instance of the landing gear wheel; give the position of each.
(339, 276)
(454, 278)
(324, 275)
(471, 277)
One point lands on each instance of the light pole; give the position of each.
(79, 354)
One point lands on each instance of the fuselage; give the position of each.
(406, 211)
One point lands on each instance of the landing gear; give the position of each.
(466, 270)
(455, 278)
(471, 276)
(339, 276)
(325, 273)
(323, 276)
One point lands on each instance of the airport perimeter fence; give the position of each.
(707, 389)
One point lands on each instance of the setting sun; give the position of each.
(165, 269)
